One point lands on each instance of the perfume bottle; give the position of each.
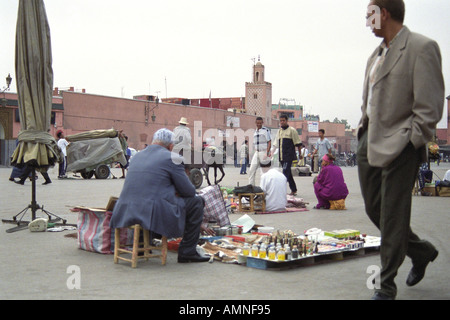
(295, 253)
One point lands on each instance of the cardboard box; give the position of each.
(443, 191)
(340, 234)
(430, 189)
(111, 203)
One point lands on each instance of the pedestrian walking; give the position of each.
(262, 143)
(402, 103)
(286, 141)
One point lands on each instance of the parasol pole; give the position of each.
(34, 77)
(34, 205)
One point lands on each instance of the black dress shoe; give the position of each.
(193, 258)
(381, 296)
(20, 182)
(418, 271)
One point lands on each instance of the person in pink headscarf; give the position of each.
(330, 185)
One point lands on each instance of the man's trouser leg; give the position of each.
(258, 158)
(26, 173)
(46, 177)
(387, 194)
(254, 164)
(194, 216)
(288, 174)
(61, 167)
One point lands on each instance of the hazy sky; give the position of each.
(315, 52)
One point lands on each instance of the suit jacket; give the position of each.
(407, 98)
(148, 194)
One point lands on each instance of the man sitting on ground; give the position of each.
(158, 195)
(273, 182)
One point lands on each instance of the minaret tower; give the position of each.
(258, 94)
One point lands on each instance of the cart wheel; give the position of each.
(196, 178)
(102, 172)
(87, 175)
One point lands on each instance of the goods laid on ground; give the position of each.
(342, 234)
(263, 247)
(284, 249)
(243, 242)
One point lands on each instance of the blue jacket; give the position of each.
(153, 192)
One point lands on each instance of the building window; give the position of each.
(255, 96)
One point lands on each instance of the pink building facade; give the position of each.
(140, 119)
(10, 123)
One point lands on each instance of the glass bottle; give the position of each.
(281, 255)
(278, 247)
(288, 252)
(272, 253)
(262, 251)
(295, 253)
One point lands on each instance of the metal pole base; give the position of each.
(21, 225)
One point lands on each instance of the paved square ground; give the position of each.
(38, 265)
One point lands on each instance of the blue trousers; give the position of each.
(244, 166)
(62, 167)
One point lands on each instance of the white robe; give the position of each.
(273, 182)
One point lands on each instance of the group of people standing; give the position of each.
(329, 184)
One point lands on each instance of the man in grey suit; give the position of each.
(403, 101)
(158, 195)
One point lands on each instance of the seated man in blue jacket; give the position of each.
(158, 195)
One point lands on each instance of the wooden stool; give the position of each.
(252, 205)
(121, 249)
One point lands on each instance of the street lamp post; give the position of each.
(8, 84)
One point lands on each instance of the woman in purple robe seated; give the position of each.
(330, 183)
